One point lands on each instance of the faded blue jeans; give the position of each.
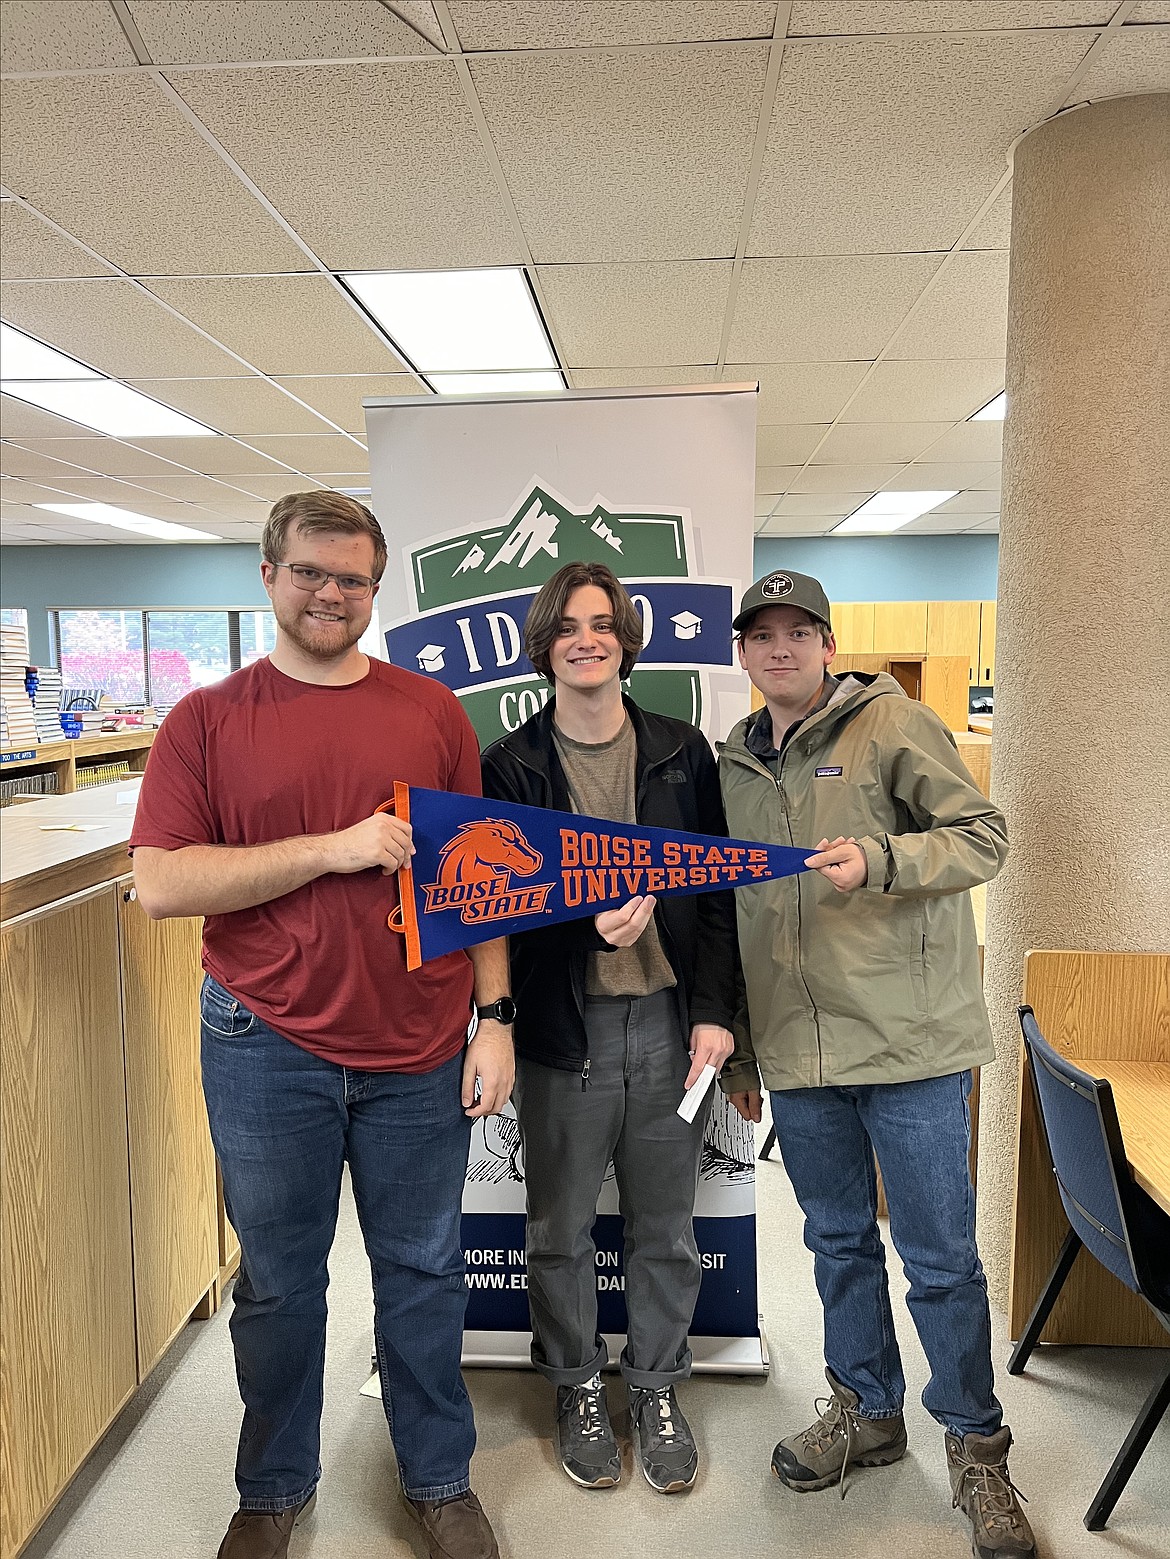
(284, 1122)
(920, 1132)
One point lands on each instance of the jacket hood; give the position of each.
(857, 688)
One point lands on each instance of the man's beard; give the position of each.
(329, 641)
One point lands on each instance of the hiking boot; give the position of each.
(584, 1439)
(262, 1534)
(454, 1528)
(663, 1442)
(984, 1491)
(840, 1439)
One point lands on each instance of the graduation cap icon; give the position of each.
(430, 657)
(686, 625)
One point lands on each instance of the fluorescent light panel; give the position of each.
(889, 511)
(125, 519)
(458, 321)
(23, 358)
(494, 384)
(108, 407)
(994, 411)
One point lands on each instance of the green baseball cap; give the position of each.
(784, 588)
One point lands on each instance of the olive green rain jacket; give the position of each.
(881, 985)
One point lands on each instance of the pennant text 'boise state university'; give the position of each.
(484, 869)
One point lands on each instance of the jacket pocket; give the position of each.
(918, 966)
(221, 1013)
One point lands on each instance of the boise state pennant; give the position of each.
(484, 869)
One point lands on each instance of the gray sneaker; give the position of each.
(840, 1439)
(983, 1490)
(663, 1442)
(584, 1438)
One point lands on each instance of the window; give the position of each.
(156, 656)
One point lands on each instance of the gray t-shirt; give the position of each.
(602, 783)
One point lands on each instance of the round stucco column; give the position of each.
(1081, 756)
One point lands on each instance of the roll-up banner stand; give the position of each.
(481, 500)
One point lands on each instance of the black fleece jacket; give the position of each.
(677, 786)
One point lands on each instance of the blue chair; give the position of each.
(1109, 1216)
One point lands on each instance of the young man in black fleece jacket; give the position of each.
(616, 1017)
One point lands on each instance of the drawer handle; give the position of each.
(129, 895)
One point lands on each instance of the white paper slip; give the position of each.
(694, 1095)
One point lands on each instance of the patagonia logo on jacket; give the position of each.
(829, 773)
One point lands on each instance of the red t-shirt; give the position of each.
(259, 757)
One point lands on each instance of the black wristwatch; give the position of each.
(503, 1011)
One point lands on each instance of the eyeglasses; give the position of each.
(354, 587)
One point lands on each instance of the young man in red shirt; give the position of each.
(258, 811)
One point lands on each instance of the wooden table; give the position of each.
(1141, 1092)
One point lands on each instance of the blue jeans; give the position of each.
(920, 1132)
(284, 1122)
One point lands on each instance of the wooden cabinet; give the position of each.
(67, 1364)
(899, 627)
(986, 672)
(952, 628)
(172, 1167)
(853, 627)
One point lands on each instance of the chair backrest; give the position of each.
(1084, 1139)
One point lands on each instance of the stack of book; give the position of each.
(21, 786)
(20, 722)
(101, 773)
(43, 685)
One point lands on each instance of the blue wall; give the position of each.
(856, 568)
(889, 568)
(39, 578)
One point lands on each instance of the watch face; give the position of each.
(506, 1010)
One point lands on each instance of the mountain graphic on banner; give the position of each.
(535, 531)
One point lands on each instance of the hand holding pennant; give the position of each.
(484, 869)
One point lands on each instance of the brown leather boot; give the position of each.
(455, 1528)
(262, 1534)
(984, 1492)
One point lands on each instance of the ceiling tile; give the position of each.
(115, 327)
(193, 489)
(642, 378)
(803, 309)
(534, 24)
(1134, 60)
(799, 392)
(339, 397)
(241, 509)
(858, 478)
(788, 444)
(12, 490)
(982, 475)
(625, 156)
(115, 163)
(995, 230)
(1149, 11)
(30, 465)
(30, 249)
(331, 453)
(967, 441)
(973, 503)
(105, 456)
(797, 525)
(614, 315)
(68, 35)
(965, 312)
(377, 167)
(421, 16)
(776, 479)
(248, 405)
(890, 145)
(934, 524)
(215, 31)
(20, 420)
(987, 528)
(926, 391)
(281, 324)
(859, 441)
(819, 505)
(209, 456)
(274, 486)
(824, 17)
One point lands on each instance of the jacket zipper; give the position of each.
(585, 1074)
(782, 794)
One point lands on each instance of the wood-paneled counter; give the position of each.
(109, 1237)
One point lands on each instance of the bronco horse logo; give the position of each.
(475, 873)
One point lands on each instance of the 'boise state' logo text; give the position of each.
(475, 874)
